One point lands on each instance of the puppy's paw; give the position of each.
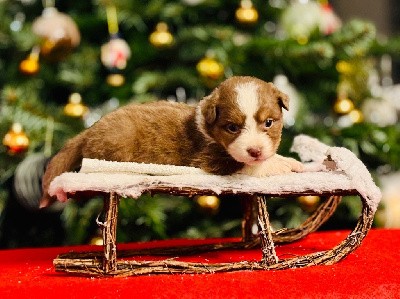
(295, 165)
(274, 166)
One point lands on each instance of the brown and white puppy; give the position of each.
(235, 129)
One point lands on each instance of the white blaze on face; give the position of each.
(251, 137)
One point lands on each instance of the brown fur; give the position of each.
(168, 133)
(220, 109)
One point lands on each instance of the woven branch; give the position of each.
(109, 229)
(128, 268)
(319, 217)
(267, 245)
(93, 266)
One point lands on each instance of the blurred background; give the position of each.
(64, 64)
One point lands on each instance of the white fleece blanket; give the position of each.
(129, 179)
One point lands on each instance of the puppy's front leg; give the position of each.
(275, 165)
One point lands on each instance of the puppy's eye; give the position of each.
(269, 122)
(232, 128)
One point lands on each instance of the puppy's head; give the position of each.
(244, 115)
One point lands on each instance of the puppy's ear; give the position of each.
(283, 100)
(208, 107)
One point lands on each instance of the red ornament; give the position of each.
(16, 140)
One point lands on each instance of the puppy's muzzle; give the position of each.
(254, 152)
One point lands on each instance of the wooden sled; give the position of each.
(336, 172)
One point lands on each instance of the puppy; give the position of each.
(235, 129)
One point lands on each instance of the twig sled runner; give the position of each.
(332, 172)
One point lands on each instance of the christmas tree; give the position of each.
(65, 64)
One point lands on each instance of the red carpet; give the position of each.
(372, 271)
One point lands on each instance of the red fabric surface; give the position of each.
(372, 271)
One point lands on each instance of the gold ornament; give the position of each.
(75, 108)
(97, 240)
(115, 80)
(161, 37)
(16, 140)
(356, 116)
(309, 203)
(343, 105)
(59, 33)
(210, 68)
(344, 67)
(208, 203)
(246, 13)
(30, 65)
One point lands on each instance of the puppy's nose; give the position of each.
(254, 152)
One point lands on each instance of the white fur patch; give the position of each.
(247, 99)
(251, 137)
